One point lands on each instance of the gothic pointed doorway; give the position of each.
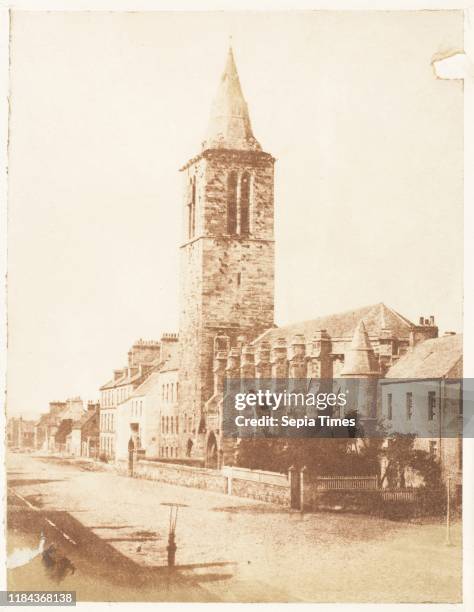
(211, 451)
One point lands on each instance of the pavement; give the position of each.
(114, 530)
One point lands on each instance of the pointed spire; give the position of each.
(229, 125)
(359, 360)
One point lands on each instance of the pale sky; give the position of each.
(105, 107)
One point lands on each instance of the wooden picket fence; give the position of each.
(399, 495)
(347, 483)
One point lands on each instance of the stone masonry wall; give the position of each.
(227, 281)
(263, 491)
(182, 475)
(267, 487)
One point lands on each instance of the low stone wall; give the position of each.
(199, 478)
(258, 484)
(264, 486)
(264, 491)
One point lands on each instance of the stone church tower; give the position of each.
(227, 252)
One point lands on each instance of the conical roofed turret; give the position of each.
(229, 125)
(359, 360)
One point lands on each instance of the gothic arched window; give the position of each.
(232, 203)
(192, 207)
(244, 203)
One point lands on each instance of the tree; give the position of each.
(401, 457)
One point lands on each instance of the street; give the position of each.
(113, 531)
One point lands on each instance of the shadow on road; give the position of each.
(24, 482)
(101, 573)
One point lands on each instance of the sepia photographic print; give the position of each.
(235, 279)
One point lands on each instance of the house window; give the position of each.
(244, 203)
(177, 391)
(431, 405)
(232, 203)
(409, 406)
(433, 448)
(389, 407)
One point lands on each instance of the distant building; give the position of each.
(47, 426)
(148, 420)
(52, 428)
(20, 433)
(144, 358)
(83, 437)
(72, 413)
(90, 431)
(137, 420)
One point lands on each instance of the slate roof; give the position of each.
(342, 325)
(148, 384)
(430, 359)
(126, 379)
(169, 365)
(87, 416)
